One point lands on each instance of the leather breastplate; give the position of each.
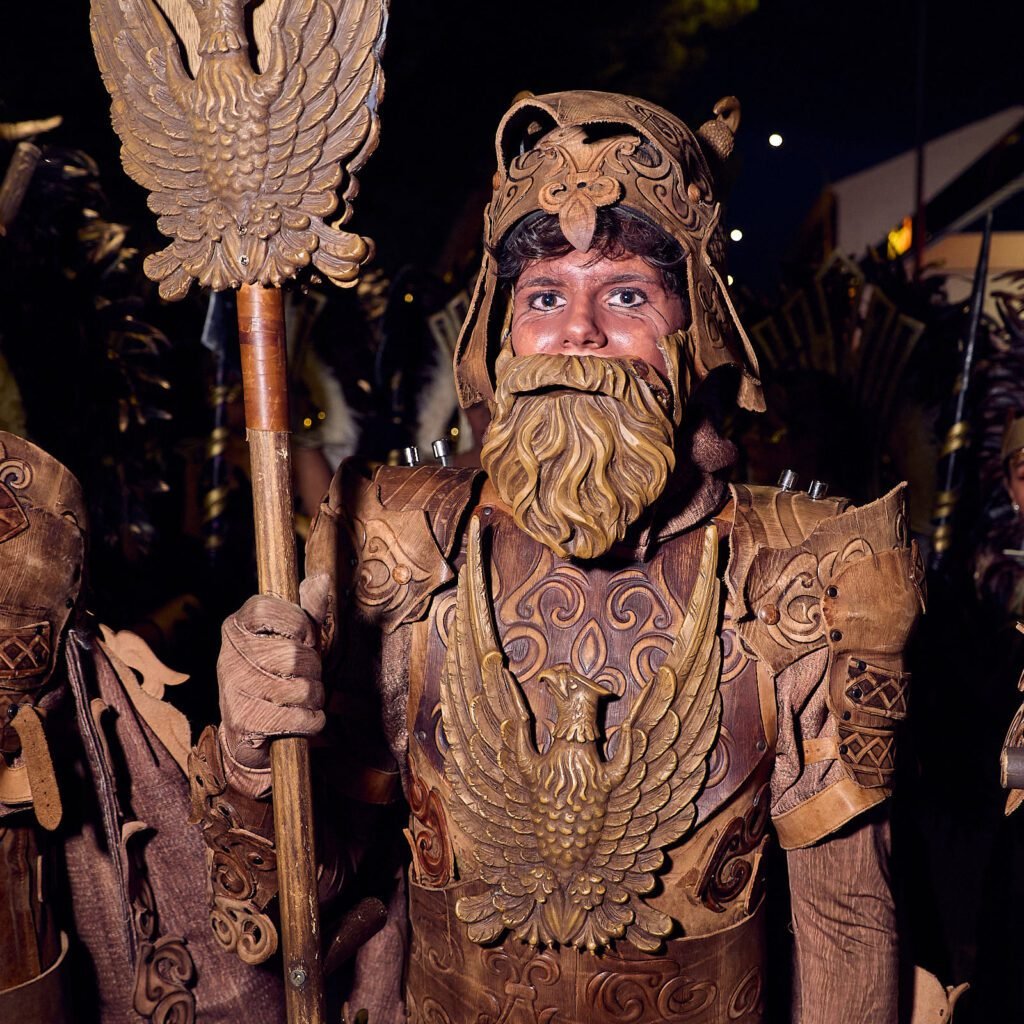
(613, 622)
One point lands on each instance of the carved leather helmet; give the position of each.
(42, 550)
(573, 153)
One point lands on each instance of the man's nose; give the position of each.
(581, 328)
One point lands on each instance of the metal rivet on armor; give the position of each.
(846, 716)
(411, 455)
(832, 591)
(297, 976)
(421, 736)
(855, 693)
(769, 614)
(12, 710)
(761, 746)
(401, 574)
(817, 489)
(488, 510)
(862, 666)
(843, 748)
(788, 480)
(835, 635)
(442, 448)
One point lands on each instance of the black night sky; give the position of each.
(836, 80)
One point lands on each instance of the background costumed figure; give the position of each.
(100, 920)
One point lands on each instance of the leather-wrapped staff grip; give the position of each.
(264, 358)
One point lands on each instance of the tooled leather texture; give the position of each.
(714, 979)
(613, 623)
(42, 549)
(241, 863)
(386, 539)
(851, 583)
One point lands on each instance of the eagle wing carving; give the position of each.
(568, 842)
(243, 166)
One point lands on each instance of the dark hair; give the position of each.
(619, 233)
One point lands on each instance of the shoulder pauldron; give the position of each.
(399, 529)
(807, 575)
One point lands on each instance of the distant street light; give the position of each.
(736, 235)
(775, 139)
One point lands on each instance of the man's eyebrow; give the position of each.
(626, 278)
(542, 282)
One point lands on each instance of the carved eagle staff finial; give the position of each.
(242, 165)
(243, 162)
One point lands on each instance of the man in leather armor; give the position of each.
(597, 672)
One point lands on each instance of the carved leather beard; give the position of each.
(578, 447)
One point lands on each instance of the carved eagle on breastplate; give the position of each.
(243, 166)
(568, 840)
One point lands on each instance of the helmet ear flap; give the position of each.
(473, 357)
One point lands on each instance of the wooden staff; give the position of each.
(243, 165)
(265, 394)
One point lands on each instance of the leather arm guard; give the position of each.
(240, 857)
(831, 596)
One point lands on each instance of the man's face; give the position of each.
(581, 305)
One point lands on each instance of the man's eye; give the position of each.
(546, 300)
(628, 297)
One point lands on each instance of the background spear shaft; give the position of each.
(958, 436)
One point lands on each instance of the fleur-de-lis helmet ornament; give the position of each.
(573, 154)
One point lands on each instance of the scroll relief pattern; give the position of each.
(433, 857)
(616, 635)
(242, 865)
(164, 970)
(735, 858)
(785, 590)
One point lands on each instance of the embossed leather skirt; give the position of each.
(709, 979)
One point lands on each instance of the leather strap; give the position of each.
(35, 753)
(824, 812)
(42, 998)
(826, 748)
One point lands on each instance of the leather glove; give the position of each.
(269, 675)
